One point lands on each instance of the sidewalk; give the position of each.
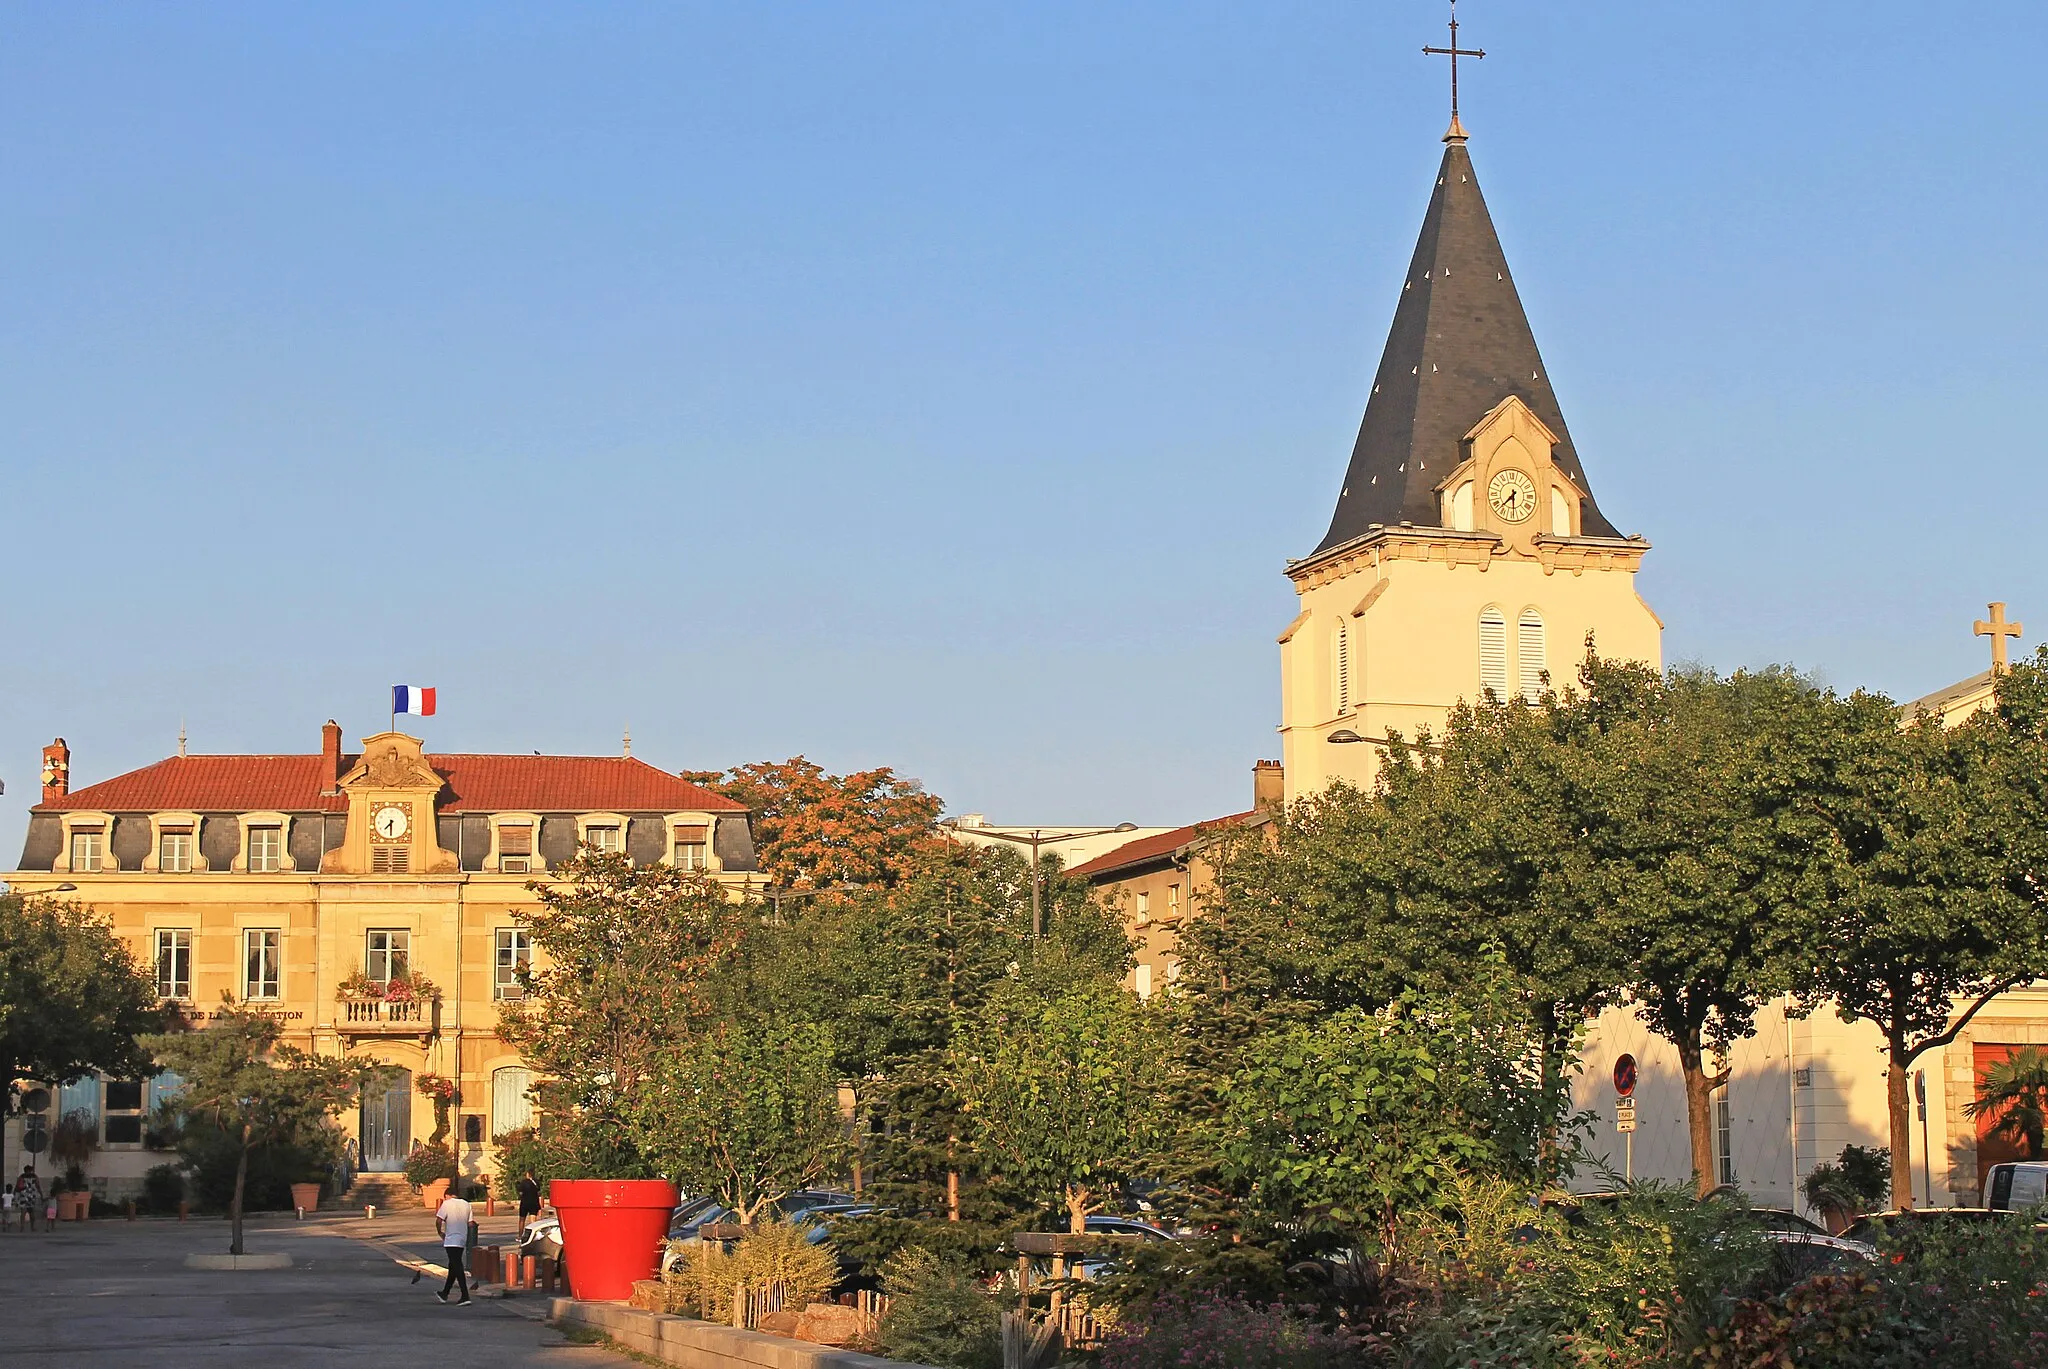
(116, 1293)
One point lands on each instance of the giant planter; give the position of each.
(612, 1232)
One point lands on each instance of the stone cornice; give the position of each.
(1408, 542)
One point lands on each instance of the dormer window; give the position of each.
(515, 848)
(88, 849)
(692, 848)
(605, 839)
(174, 851)
(266, 850)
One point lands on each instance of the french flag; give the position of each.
(415, 699)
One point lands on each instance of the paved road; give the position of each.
(117, 1293)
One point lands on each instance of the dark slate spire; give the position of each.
(1460, 345)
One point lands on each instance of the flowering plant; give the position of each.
(438, 1087)
(408, 987)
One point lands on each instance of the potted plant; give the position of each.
(430, 1168)
(1854, 1184)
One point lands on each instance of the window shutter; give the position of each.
(390, 860)
(1343, 668)
(515, 839)
(510, 1107)
(1530, 660)
(1493, 653)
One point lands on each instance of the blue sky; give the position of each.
(944, 386)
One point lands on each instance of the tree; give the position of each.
(815, 831)
(1934, 879)
(622, 954)
(1361, 1121)
(72, 998)
(1698, 848)
(1063, 1092)
(238, 1079)
(747, 1109)
(2014, 1093)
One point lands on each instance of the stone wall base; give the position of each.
(694, 1344)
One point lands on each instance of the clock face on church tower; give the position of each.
(392, 821)
(1512, 496)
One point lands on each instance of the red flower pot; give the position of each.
(612, 1231)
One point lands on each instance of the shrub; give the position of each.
(938, 1314)
(210, 1159)
(1206, 1331)
(1860, 1181)
(768, 1254)
(75, 1137)
(429, 1162)
(163, 1188)
(1942, 1294)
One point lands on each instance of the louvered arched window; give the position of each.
(1493, 653)
(1531, 662)
(1340, 669)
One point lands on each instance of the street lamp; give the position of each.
(1343, 736)
(1037, 838)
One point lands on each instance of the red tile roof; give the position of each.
(481, 784)
(1145, 850)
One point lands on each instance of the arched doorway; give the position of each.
(386, 1135)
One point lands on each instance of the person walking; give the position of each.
(455, 1217)
(529, 1202)
(28, 1196)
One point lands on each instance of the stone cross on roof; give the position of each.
(1997, 629)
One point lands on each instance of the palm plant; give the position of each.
(2015, 1093)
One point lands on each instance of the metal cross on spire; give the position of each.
(1454, 52)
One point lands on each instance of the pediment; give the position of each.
(391, 760)
(1518, 419)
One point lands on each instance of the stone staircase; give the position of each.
(386, 1192)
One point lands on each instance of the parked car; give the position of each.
(2016, 1187)
(1902, 1226)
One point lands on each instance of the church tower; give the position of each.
(1467, 554)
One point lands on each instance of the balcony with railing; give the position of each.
(404, 1005)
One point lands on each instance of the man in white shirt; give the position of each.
(454, 1217)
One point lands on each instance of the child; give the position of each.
(7, 1208)
(50, 1214)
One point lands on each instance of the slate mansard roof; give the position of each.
(475, 784)
(1460, 345)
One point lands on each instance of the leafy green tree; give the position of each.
(1362, 1121)
(252, 1090)
(622, 956)
(1698, 848)
(73, 1000)
(1935, 903)
(2014, 1094)
(746, 1109)
(1064, 1092)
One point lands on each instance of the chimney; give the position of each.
(330, 754)
(1269, 784)
(56, 771)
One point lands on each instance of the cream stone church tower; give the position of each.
(1467, 554)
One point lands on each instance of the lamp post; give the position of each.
(1037, 838)
(1344, 736)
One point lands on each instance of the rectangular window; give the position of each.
(515, 848)
(605, 839)
(1724, 1137)
(123, 1125)
(174, 851)
(174, 962)
(259, 963)
(85, 851)
(266, 849)
(1173, 900)
(1144, 906)
(692, 846)
(515, 951)
(388, 953)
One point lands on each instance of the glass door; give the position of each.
(387, 1125)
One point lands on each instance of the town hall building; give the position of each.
(367, 898)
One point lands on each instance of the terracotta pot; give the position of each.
(432, 1194)
(306, 1196)
(612, 1232)
(74, 1207)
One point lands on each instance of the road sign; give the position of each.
(1625, 1122)
(36, 1100)
(35, 1140)
(1625, 1075)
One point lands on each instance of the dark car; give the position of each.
(1904, 1224)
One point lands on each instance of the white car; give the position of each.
(2016, 1187)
